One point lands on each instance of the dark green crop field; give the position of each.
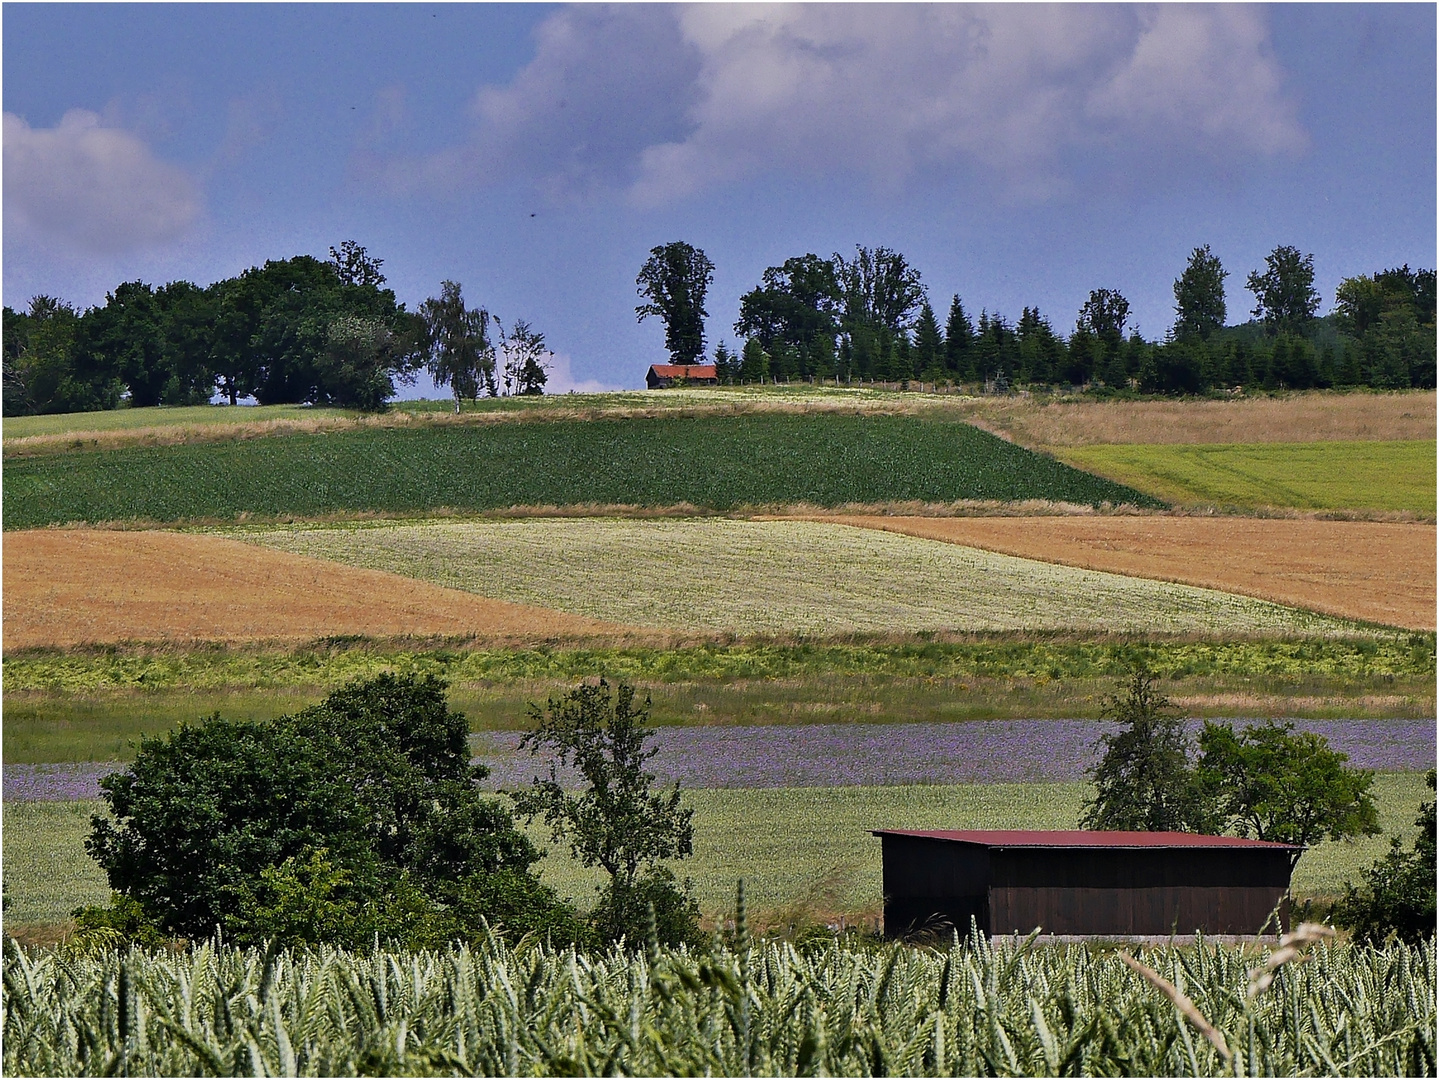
(710, 462)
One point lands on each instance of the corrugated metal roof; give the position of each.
(1020, 838)
(684, 371)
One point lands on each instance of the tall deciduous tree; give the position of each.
(355, 266)
(1143, 782)
(673, 282)
(795, 310)
(525, 369)
(879, 289)
(1199, 296)
(1277, 785)
(618, 822)
(1285, 297)
(1105, 315)
(458, 350)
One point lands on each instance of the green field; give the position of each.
(718, 463)
(1392, 476)
(780, 577)
(803, 852)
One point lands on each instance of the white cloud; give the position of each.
(667, 102)
(561, 379)
(886, 89)
(98, 187)
(1203, 73)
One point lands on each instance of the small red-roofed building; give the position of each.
(660, 376)
(1083, 884)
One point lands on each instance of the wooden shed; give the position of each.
(1110, 884)
(660, 376)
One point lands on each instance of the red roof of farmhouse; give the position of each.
(684, 371)
(1017, 838)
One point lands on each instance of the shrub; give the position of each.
(1397, 893)
(625, 910)
(359, 815)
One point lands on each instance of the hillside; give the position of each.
(712, 463)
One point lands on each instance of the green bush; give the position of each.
(1397, 893)
(359, 815)
(122, 921)
(625, 911)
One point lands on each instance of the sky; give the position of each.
(1017, 155)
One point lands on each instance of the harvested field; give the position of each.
(1306, 417)
(780, 577)
(68, 587)
(1375, 571)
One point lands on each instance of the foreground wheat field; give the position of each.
(971, 1009)
(778, 577)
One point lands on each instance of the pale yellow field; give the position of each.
(778, 577)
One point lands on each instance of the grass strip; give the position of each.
(331, 662)
(722, 463)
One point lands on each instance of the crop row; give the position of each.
(1011, 1009)
(714, 462)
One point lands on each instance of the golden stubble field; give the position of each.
(68, 587)
(1375, 571)
(1316, 416)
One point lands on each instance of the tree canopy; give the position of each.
(673, 281)
(1284, 293)
(358, 815)
(1143, 782)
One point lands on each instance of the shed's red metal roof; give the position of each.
(1021, 838)
(684, 371)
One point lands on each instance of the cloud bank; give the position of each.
(98, 187)
(667, 103)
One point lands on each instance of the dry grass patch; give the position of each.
(1375, 571)
(76, 586)
(1316, 416)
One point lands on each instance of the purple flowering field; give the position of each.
(839, 755)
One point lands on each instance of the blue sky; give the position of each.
(1017, 154)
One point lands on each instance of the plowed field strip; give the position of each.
(69, 587)
(1375, 571)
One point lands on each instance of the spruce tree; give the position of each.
(958, 336)
(928, 347)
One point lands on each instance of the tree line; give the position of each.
(297, 330)
(869, 317)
